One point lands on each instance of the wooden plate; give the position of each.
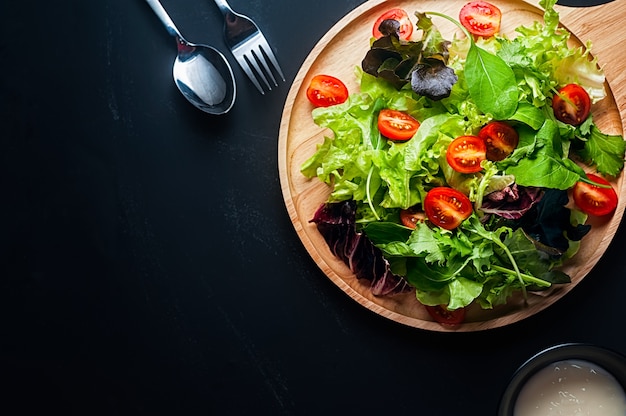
(339, 52)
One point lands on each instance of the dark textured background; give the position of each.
(148, 264)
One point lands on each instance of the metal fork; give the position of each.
(249, 47)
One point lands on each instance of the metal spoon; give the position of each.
(201, 72)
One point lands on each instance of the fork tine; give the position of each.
(265, 47)
(253, 60)
(260, 55)
(243, 62)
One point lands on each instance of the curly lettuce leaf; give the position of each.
(543, 49)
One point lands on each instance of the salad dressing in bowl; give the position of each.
(569, 379)
(571, 387)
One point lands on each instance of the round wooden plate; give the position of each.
(337, 54)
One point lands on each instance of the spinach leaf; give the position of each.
(491, 83)
(530, 115)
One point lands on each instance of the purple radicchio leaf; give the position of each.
(336, 222)
(511, 202)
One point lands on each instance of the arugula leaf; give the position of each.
(530, 260)
(605, 151)
(425, 242)
(546, 166)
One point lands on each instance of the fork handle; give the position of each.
(224, 7)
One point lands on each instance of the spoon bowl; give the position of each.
(201, 72)
(199, 75)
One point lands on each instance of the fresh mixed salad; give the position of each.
(463, 169)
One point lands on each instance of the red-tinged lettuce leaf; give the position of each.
(433, 79)
(423, 64)
(392, 60)
(390, 27)
(336, 222)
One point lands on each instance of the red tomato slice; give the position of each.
(595, 200)
(446, 207)
(500, 139)
(406, 27)
(396, 125)
(410, 217)
(571, 104)
(481, 18)
(325, 90)
(446, 316)
(465, 153)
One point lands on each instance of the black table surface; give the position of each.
(148, 264)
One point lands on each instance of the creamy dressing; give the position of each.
(572, 388)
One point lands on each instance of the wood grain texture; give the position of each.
(343, 48)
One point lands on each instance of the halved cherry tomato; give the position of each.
(411, 216)
(481, 18)
(446, 207)
(325, 90)
(500, 138)
(406, 27)
(446, 316)
(571, 104)
(465, 153)
(397, 125)
(595, 200)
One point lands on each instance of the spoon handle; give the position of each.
(165, 18)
